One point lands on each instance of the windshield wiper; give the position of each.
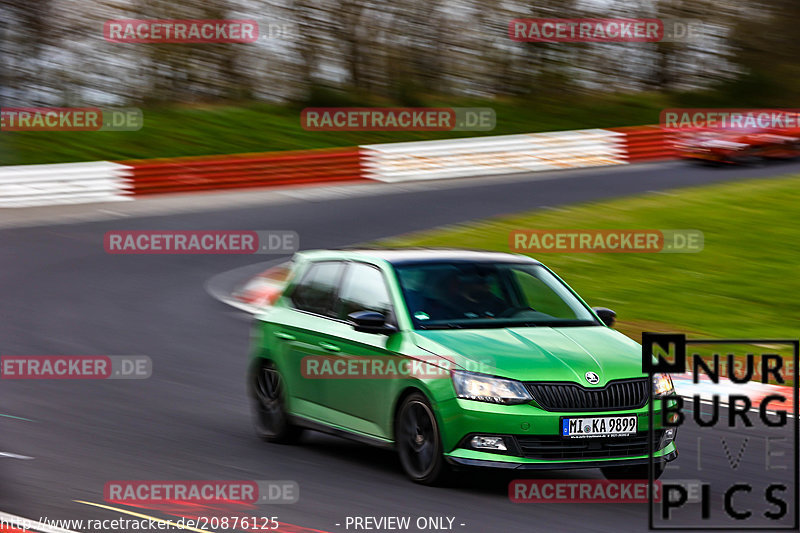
(449, 325)
(492, 324)
(558, 323)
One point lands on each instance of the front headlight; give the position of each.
(483, 388)
(662, 385)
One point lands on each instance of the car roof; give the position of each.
(399, 256)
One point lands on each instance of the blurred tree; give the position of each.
(764, 38)
(25, 30)
(191, 72)
(407, 51)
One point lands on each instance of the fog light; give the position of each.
(488, 443)
(667, 437)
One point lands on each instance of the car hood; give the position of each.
(538, 353)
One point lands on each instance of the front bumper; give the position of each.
(473, 458)
(526, 429)
(456, 460)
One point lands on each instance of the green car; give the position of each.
(454, 358)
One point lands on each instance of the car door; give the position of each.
(360, 398)
(301, 335)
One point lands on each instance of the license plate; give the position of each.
(598, 426)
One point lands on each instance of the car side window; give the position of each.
(316, 292)
(364, 289)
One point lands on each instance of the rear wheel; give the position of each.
(749, 156)
(794, 149)
(632, 471)
(269, 398)
(418, 443)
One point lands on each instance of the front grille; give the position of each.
(616, 395)
(556, 447)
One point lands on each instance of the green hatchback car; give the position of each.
(454, 358)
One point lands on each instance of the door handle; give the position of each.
(284, 336)
(328, 347)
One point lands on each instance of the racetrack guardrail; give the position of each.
(103, 181)
(65, 183)
(507, 154)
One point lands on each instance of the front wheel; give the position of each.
(632, 471)
(418, 443)
(269, 397)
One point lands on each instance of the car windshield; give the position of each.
(441, 295)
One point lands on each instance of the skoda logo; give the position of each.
(592, 378)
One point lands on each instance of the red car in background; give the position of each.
(738, 146)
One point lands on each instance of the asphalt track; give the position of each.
(60, 293)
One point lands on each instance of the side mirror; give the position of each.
(370, 322)
(608, 316)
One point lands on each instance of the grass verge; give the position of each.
(745, 282)
(183, 130)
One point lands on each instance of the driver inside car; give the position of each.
(471, 297)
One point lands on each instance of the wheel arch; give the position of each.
(407, 391)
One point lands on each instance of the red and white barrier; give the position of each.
(647, 143)
(67, 183)
(185, 174)
(103, 181)
(481, 156)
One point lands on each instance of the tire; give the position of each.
(632, 471)
(794, 150)
(269, 400)
(749, 157)
(418, 442)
